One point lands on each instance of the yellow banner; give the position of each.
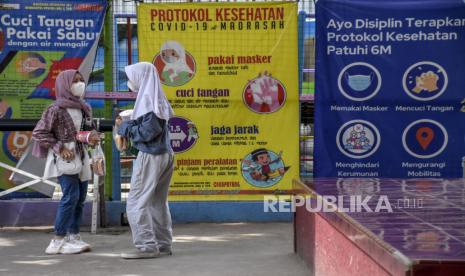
(230, 72)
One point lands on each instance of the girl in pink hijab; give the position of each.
(55, 136)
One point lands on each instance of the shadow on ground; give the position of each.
(199, 249)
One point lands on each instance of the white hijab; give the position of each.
(180, 65)
(150, 96)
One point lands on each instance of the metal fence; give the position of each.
(125, 51)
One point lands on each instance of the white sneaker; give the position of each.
(140, 254)
(76, 240)
(69, 248)
(62, 247)
(54, 246)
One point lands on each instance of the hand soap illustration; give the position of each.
(426, 82)
(359, 82)
(264, 94)
(30, 64)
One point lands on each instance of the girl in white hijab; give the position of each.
(143, 79)
(147, 204)
(174, 57)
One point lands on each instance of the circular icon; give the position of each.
(30, 65)
(424, 138)
(358, 139)
(264, 94)
(425, 81)
(183, 134)
(15, 143)
(263, 168)
(174, 64)
(359, 81)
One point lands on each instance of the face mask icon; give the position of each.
(359, 82)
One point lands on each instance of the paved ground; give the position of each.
(199, 249)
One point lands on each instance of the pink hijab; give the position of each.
(64, 97)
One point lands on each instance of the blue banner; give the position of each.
(390, 84)
(38, 40)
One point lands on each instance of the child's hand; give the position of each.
(118, 121)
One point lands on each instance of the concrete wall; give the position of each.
(42, 212)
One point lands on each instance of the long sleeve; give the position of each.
(143, 129)
(43, 132)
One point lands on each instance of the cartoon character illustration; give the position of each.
(175, 71)
(262, 94)
(260, 169)
(192, 131)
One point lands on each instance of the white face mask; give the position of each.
(132, 86)
(78, 89)
(170, 59)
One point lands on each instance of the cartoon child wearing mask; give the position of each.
(176, 71)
